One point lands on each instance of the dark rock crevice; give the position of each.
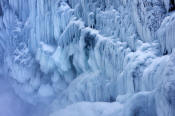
(1, 12)
(172, 6)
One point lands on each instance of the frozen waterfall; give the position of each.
(87, 57)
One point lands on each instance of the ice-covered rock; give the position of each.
(166, 34)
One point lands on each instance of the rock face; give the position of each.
(70, 51)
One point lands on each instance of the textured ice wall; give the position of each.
(91, 50)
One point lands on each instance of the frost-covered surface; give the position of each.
(91, 57)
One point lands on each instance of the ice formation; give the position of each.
(91, 57)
